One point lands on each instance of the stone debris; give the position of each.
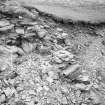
(28, 47)
(2, 98)
(42, 33)
(71, 69)
(4, 23)
(20, 31)
(62, 56)
(45, 62)
(95, 97)
(64, 35)
(9, 92)
(6, 28)
(59, 29)
(28, 23)
(11, 7)
(84, 77)
(45, 50)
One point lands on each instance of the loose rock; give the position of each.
(28, 23)
(42, 33)
(20, 30)
(6, 28)
(64, 35)
(71, 69)
(59, 29)
(2, 98)
(4, 23)
(62, 55)
(28, 47)
(8, 92)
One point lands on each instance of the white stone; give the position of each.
(64, 89)
(20, 17)
(59, 29)
(64, 35)
(42, 33)
(80, 86)
(7, 91)
(20, 30)
(2, 98)
(84, 77)
(51, 73)
(49, 79)
(46, 88)
(63, 54)
(23, 96)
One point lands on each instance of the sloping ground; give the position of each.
(44, 62)
(79, 10)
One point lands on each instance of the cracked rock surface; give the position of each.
(47, 62)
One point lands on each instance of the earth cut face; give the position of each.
(84, 10)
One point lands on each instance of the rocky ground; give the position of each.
(44, 61)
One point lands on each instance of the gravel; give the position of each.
(43, 62)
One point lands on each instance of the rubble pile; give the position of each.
(43, 62)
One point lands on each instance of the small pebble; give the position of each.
(20, 17)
